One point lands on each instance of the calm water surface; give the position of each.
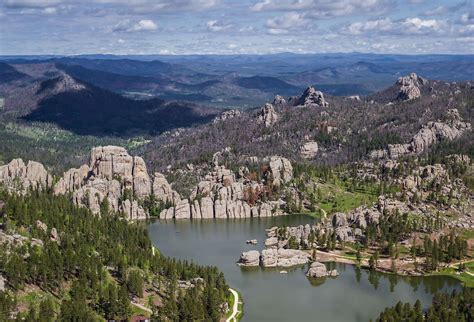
(356, 295)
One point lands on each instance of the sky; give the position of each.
(63, 27)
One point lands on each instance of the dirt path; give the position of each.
(235, 307)
(144, 308)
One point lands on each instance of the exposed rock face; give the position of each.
(222, 195)
(163, 191)
(20, 177)
(132, 210)
(227, 115)
(309, 149)
(283, 257)
(312, 98)
(317, 270)
(110, 173)
(339, 219)
(409, 87)
(111, 162)
(250, 258)
(183, 210)
(268, 115)
(279, 101)
(281, 170)
(2, 283)
(72, 180)
(433, 132)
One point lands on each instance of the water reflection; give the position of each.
(355, 295)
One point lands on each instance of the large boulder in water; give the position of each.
(250, 258)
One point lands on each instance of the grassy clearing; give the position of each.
(465, 278)
(338, 198)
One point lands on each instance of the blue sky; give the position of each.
(66, 27)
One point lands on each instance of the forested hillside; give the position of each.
(60, 262)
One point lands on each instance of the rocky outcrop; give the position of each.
(249, 259)
(72, 180)
(17, 240)
(318, 270)
(227, 115)
(222, 195)
(410, 87)
(312, 98)
(163, 191)
(283, 257)
(112, 175)
(279, 101)
(20, 177)
(309, 150)
(434, 132)
(267, 115)
(281, 170)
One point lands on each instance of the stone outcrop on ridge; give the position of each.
(19, 176)
(267, 115)
(410, 87)
(434, 132)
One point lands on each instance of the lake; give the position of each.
(356, 295)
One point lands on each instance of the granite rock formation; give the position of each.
(449, 129)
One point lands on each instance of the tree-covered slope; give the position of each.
(86, 268)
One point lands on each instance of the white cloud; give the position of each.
(324, 8)
(283, 24)
(50, 11)
(217, 26)
(147, 25)
(408, 26)
(142, 25)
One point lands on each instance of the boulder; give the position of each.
(271, 242)
(309, 149)
(269, 257)
(283, 257)
(250, 258)
(54, 235)
(318, 270)
(41, 225)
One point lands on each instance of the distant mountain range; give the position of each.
(83, 108)
(120, 96)
(246, 81)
